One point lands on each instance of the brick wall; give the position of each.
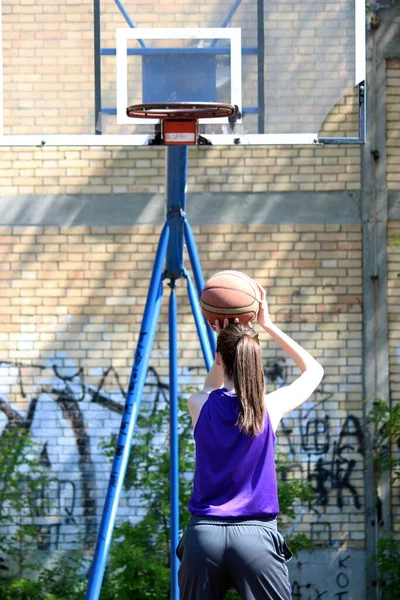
(72, 297)
(393, 183)
(394, 342)
(120, 170)
(72, 300)
(393, 124)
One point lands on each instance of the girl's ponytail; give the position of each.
(240, 352)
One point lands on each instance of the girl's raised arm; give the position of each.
(282, 401)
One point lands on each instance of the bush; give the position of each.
(66, 580)
(22, 480)
(386, 426)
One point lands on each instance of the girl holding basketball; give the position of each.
(232, 538)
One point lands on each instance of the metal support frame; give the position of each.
(374, 212)
(261, 66)
(176, 230)
(351, 140)
(97, 66)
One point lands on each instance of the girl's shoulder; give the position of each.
(196, 403)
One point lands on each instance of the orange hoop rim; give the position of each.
(178, 111)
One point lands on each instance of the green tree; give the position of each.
(140, 554)
(386, 427)
(22, 481)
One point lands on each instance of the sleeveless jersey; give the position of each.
(235, 473)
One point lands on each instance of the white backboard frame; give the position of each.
(233, 34)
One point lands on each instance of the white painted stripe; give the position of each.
(142, 140)
(176, 33)
(74, 140)
(122, 79)
(180, 137)
(236, 69)
(360, 41)
(267, 139)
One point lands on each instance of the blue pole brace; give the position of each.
(198, 275)
(129, 418)
(200, 322)
(174, 442)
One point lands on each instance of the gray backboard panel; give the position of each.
(68, 66)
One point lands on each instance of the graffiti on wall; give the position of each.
(329, 464)
(339, 574)
(60, 397)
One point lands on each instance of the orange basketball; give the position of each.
(230, 295)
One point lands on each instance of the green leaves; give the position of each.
(64, 581)
(140, 553)
(386, 432)
(138, 565)
(290, 491)
(385, 421)
(387, 558)
(22, 481)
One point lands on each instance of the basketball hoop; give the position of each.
(179, 120)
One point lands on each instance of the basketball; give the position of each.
(230, 295)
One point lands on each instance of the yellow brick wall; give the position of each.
(393, 124)
(74, 297)
(394, 342)
(83, 170)
(393, 183)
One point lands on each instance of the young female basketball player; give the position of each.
(232, 538)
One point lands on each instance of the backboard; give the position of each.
(68, 70)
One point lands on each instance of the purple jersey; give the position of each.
(235, 473)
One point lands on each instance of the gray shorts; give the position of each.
(248, 555)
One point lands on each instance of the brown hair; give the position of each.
(239, 348)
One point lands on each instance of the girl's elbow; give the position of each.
(316, 372)
(320, 372)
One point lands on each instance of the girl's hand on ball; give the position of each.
(263, 318)
(218, 326)
(225, 324)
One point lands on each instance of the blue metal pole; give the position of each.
(97, 66)
(200, 322)
(197, 274)
(129, 418)
(177, 165)
(261, 65)
(127, 18)
(174, 445)
(229, 16)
